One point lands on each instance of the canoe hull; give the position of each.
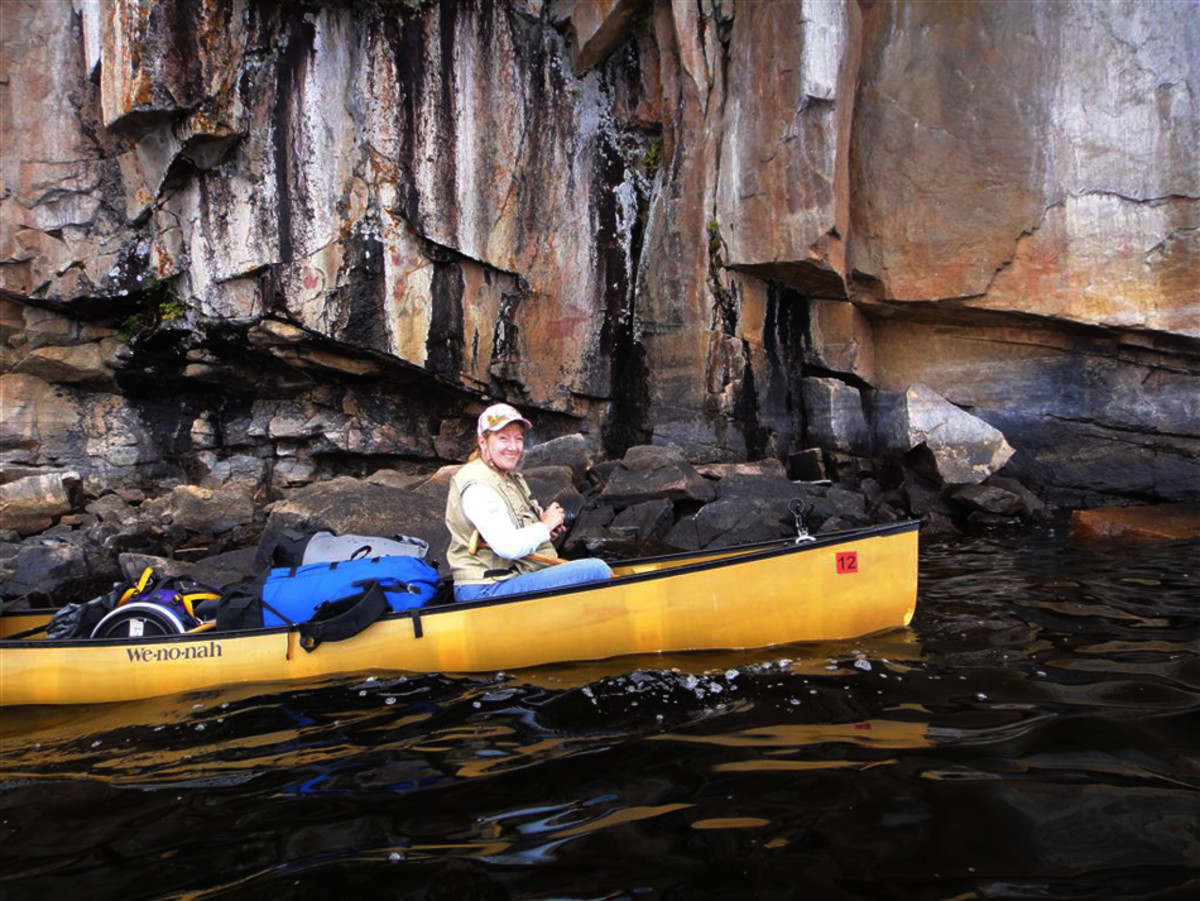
(843, 587)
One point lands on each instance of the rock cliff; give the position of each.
(257, 243)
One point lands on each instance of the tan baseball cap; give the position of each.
(497, 416)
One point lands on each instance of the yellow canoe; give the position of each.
(834, 587)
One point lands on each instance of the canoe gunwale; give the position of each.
(742, 553)
(714, 558)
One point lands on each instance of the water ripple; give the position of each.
(1031, 736)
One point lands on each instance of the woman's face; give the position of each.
(503, 447)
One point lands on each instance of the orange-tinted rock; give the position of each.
(31, 504)
(775, 201)
(948, 161)
(205, 40)
(1088, 262)
(598, 28)
(635, 234)
(1161, 522)
(840, 339)
(993, 161)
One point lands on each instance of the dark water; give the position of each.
(1034, 735)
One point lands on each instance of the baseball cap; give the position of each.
(497, 416)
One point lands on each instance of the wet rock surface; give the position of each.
(1157, 523)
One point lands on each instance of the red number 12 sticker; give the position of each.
(847, 562)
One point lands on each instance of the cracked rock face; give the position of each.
(266, 243)
(1003, 162)
(963, 449)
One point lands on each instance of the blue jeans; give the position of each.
(573, 572)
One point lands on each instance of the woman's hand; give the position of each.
(553, 518)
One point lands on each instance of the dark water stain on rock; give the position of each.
(292, 66)
(358, 304)
(444, 345)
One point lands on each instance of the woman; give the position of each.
(488, 495)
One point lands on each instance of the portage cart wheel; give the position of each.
(138, 620)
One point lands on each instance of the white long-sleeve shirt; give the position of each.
(489, 514)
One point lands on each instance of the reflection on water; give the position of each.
(1033, 735)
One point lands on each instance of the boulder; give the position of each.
(436, 485)
(846, 467)
(292, 472)
(806, 465)
(10, 548)
(50, 572)
(601, 474)
(655, 471)
(835, 524)
(575, 451)
(112, 508)
(40, 571)
(924, 497)
(769, 485)
(824, 502)
(547, 483)
(725, 523)
(572, 502)
(889, 511)
(590, 532)
(1158, 522)
(845, 503)
(31, 504)
(396, 479)
(219, 569)
(951, 445)
(140, 533)
(938, 525)
(357, 506)
(988, 499)
(647, 520)
(202, 512)
(872, 492)
(834, 417)
(243, 471)
(685, 535)
(750, 469)
(637, 531)
(1032, 505)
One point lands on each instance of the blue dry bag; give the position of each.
(293, 595)
(329, 601)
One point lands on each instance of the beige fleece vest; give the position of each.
(467, 569)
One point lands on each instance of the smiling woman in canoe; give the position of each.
(500, 537)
